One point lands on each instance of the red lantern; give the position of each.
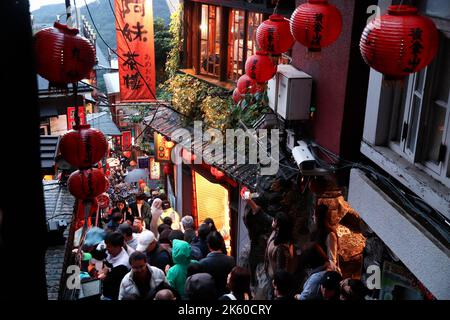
(87, 184)
(237, 96)
(103, 201)
(274, 35)
(63, 56)
(245, 84)
(400, 42)
(260, 67)
(217, 173)
(167, 169)
(127, 154)
(316, 24)
(83, 147)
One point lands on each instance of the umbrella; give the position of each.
(136, 174)
(113, 162)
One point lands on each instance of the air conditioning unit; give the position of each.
(289, 93)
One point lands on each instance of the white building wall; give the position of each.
(423, 255)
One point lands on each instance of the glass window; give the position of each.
(236, 44)
(210, 41)
(254, 20)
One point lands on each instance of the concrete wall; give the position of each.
(424, 256)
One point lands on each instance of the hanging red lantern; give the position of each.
(237, 96)
(260, 67)
(245, 85)
(103, 200)
(400, 42)
(127, 154)
(167, 169)
(274, 35)
(87, 184)
(316, 24)
(217, 173)
(83, 147)
(62, 55)
(107, 173)
(81, 212)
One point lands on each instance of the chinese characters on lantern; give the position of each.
(135, 47)
(416, 49)
(318, 27)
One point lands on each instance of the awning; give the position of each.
(48, 147)
(103, 122)
(167, 120)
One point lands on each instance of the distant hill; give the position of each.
(102, 15)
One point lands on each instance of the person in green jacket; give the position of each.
(176, 275)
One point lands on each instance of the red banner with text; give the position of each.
(71, 116)
(136, 50)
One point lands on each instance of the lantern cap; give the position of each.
(82, 126)
(277, 17)
(65, 28)
(402, 10)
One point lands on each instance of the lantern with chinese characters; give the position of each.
(62, 55)
(245, 84)
(316, 24)
(217, 173)
(260, 67)
(83, 147)
(87, 184)
(237, 96)
(274, 35)
(400, 42)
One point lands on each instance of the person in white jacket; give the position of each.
(140, 283)
(157, 211)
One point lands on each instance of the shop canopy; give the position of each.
(167, 120)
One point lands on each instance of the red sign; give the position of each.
(71, 117)
(135, 47)
(162, 149)
(126, 140)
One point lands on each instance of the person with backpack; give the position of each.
(156, 255)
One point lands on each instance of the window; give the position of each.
(420, 128)
(210, 41)
(254, 20)
(236, 44)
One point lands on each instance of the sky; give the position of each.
(36, 4)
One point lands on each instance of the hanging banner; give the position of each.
(71, 116)
(155, 169)
(126, 140)
(161, 149)
(136, 50)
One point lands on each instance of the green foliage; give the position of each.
(176, 44)
(163, 44)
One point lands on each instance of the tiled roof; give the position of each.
(168, 120)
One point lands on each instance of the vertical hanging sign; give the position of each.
(126, 140)
(136, 49)
(71, 116)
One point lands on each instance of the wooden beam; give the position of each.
(224, 30)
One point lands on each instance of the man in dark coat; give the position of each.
(217, 263)
(140, 208)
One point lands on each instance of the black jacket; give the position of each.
(145, 213)
(219, 266)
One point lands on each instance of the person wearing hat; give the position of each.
(156, 255)
(200, 287)
(140, 208)
(323, 285)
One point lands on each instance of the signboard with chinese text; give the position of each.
(161, 149)
(71, 116)
(126, 140)
(135, 47)
(155, 169)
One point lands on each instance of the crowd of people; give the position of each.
(143, 249)
(140, 253)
